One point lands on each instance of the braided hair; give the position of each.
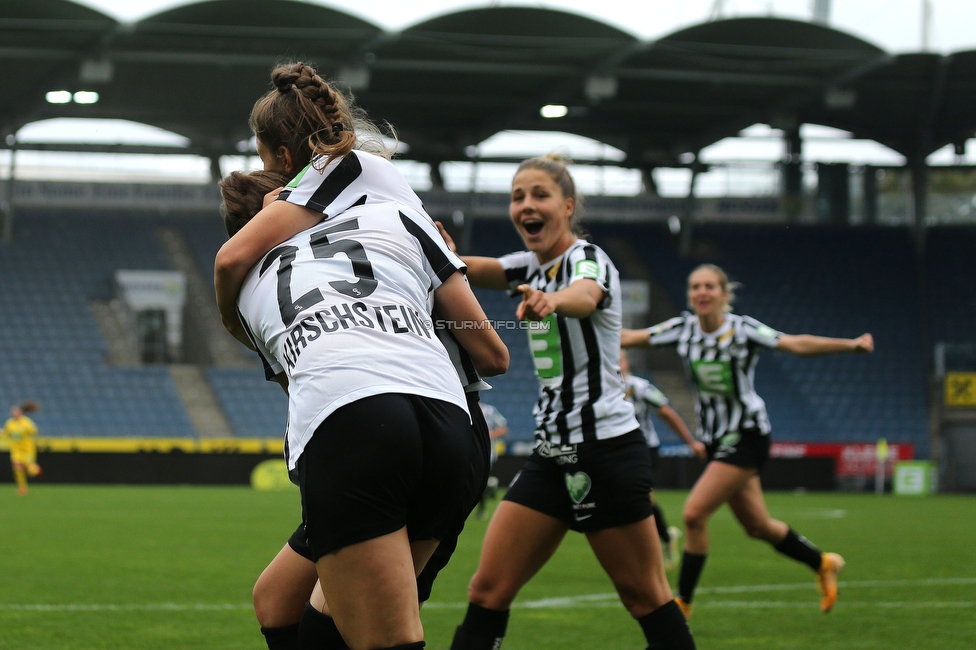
(309, 117)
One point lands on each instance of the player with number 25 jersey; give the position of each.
(342, 310)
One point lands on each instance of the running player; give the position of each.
(720, 351)
(591, 470)
(20, 430)
(286, 593)
(381, 441)
(646, 397)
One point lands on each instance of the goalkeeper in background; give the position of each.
(20, 431)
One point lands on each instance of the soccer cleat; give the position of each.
(831, 564)
(684, 607)
(671, 550)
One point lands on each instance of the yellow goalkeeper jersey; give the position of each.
(20, 432)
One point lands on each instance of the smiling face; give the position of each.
(706, 295)
(541, 214)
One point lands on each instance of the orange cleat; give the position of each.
(685, 607)
(831, 564)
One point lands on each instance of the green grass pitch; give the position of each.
(90, 568)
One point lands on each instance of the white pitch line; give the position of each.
(593, 601)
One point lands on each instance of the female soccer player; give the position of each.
(283, 595)
(591, 470)
(720, 351)
(378, 426)
(20, 430)
(646, 397)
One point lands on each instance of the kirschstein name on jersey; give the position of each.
(397, 319)
(722, 365)
(577, 360)
(343, 310)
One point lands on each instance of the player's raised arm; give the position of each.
(808, 345)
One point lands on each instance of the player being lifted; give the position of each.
(379, 432)
(287, 600)
(720, 351)
(646, 397)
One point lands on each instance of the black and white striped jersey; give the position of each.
(355, 179)
(362, 178)
(645, 397)
(722, 366)
(343, 310)
(577, 360)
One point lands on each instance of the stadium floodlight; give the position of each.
(553, 111)
(58, 97)
(86, 97)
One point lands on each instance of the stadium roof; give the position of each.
(448, 83)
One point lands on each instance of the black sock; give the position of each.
(281, 638)
(407, 646)
(800, 549)
(662, 525)
(667, 629)
(692, 565)
(482, 629)
(318, 631)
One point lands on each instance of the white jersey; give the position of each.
(362, 178)
(577, 360)
(342, 309)
(645, 397)
(722, 365)
(355, 179)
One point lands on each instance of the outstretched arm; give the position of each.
(578, 300)
(635, 338)
(269, 227)
(807, 345)
(673, 420)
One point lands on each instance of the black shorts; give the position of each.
(748, 448)
(655, 458)
(385, 462)
(591, 485)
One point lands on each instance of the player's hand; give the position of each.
(271, 197)
(535, 304)
(447, 238)
(863, 344)
(699, 449)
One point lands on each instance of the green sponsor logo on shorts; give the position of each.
(587, 269)
(546, 351)
(578, 485)
(731, 439)
(713, 377)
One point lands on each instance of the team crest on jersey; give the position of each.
(578, 485)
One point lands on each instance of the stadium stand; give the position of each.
(51, 348)
(830, 281)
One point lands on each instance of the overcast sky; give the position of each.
(894, 25)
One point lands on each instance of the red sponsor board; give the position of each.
(850, 459)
